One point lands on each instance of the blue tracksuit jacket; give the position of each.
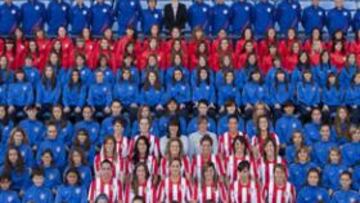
(356, 21)
(254, 92)
(100, 94)
(352, 95)
(38, 194)
(9, 18)
(71, 194)
(313, 17)
(308, 94)
(350, 153)
(240, 16)
(126, 92)
(47, 95)
(34, 130)
(52, 177)
(74, 96)
(149, 18)
(263, 17)
(320, 152)
(79, 18)
(32, 75)
(222, 125)
(57, 148)
(9, 196)
(285, 126)
(298, 173)
(280, 93)
(321, 73)
(204, 91)
(288, 15)
(228, 92)
(346, 75)
(33, 16)
(151, 97)
(331, 175)
(180, 91)
(101, 18)
(192, 125)
(332, 96)
(163, 124)
(127, 13)
(91, 127)
(58, 14)
(20, 94)
(342, 196)
(338, 19)
(311, 194)
(220, 18)
(199, 14)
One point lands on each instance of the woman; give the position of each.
(19, 140)
(89, 125)
(296, 142)
(322, 71)
(6, 125)
(352, 97)
(228, 91)
(77, 160)
(71, 191)
(203, 88)
(179, 90)
(83, 141)
(279, 190)
(210, 188)
(342, 125)
(173, 131)
(331, 95)
(51, 172)
(64, 127)
(140, 185)
(313, 192)
(174, 187)
(308, 93)
(152, 92)
(280, 92)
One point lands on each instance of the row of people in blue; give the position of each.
(33, 15)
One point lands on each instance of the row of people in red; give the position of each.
(266, 50)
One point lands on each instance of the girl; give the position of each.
(174, 187)
(287, 123)
(352, 97)
(345, 193)
(342, 125)
(152, 66)
(20, 93)
(51, 172)
(108, 152)
(122, 142)
(6, 75)
(145, 112)
(103, 66)
(294, 144)
(291, 59)
(64, 127)
(177, 64)
(322, 148)
(244, 188)
(241, 153)
(281, 92)
(6, 125)
(249, 67)
(89, 125)
(338, 55)
(39, 60)
(268, 161)
(171, 114)
(71, 191)
(74, 94)
(286, 44)
(129, 64)
(228, 91)
(298, 170)
(179, 90)
(174, 150)
(19, 140)
(210, 188)
(279, 190)
(308, 93)
(15, 167)
(32, 126)
(246, 36)
(202, 51)
(174, 132)
(140, 185)
(270, 39)
(332, 171)
(195, 74)
(347, 73)
(86, 75)
(254, 91)
(230, 108)
(176, 47)
(203, 88)
(321, 72)
(313, 192)
(48, 90)
(77, 160)
(152, 92)
(302, 65)
(350, 156)
(82, 141)
(100, 94)
(312, 128)
(226, 65)
(141, 155)
(331, 95)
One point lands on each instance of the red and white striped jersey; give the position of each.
(119, 165)
(169, 191)
(245, 193)
(275, 194)
(151, 163)
(154, 145)
(147, 191)
(258, 142)
(215, 193)
(266, 169)
(112, 190)
(122, 146)
(165, 169)
(225, 143)
(232, 163)
(198, 162)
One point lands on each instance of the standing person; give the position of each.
(58, 15)
(9, 18)
(175, 15)
(313, 17)
(101, 17)
(79, 17)
(220, 19)
(338, 18)
(263, 18)
(199, 16)
(240, 16)
(279, 190)
(33, 16)
(150, 17)
(127, 14)
(288, 15)
(107, 184)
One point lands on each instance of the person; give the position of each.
(199, 16)
(127, 14)
(308, 93)
(78, 161)
(79, 17)
(264, 17)
(63, 125)
(107, 184)
(38, 192)
(240, 16)
(195, 137)
(122, 142)
(345, 193)
(175, 15)
(174, 131)
(279, 190)
(10, 18)
(313, 192)
(19, 140)
(323, 145)
(174, 187)
(33, 16)
(264, 132)
(348, 151)
(338, 18)
(179, 90)
(101, 17)
(287, 123)
(6, 193)
(32, 127)
(58, 14)
(71, 191)
(313, 17)
(352, 97)
(220, 18)
(288, 15)
(210, 188)
(51, 172)
(150, 17)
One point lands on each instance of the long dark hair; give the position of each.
(136, 155)
(87, 145)
(135, 181)
(207, 81)
(277, 82)
(63, 121)
(19, 164)
(52, 81)
(157, 84)
(82, 154)
(72, 84)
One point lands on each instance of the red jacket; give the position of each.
(67, 50)
(263, 46)
(315, 58)
(239, 49)
(265, 63)
(290, 61)
(285, 46)
(142, 61)
(11, 59)
(39, 61)
(2, 46)
(338, 60)
(44, 46)
(20, 54)
(193, 45)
